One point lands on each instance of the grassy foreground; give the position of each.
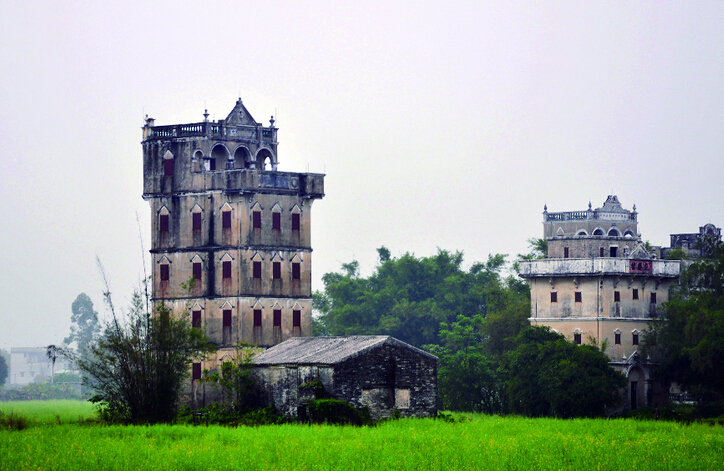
(477, 442)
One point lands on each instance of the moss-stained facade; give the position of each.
(231, 239)
(600, 285)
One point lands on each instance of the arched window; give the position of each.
(613, 232)
(219, 156)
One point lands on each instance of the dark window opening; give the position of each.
(257, 317)
(577, 296)
(212, 164)
(296, 271)
(168, 167)
(635, 293)
(277, 270)
(617, 296)
(617, 338)
(226, 269)
(196, 371)
(226, 220)
(196, 221)
(635, 339)
(554, 297)
(257, 270)
(295, 222)
(614, 251)
(277, 221)
(197, 271)
(565, 252)
(653, 298)
(164, 272)
(196, 319)
(277, 317)
(163, 222)
(577, 338)
(256, 218)
(296, 318)
(227, 318)
(601, 252)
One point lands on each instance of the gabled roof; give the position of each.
(240, 115)
(640, 253)
(328, 350)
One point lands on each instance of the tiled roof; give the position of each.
(327, 350)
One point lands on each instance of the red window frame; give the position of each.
(227, 318)
(226, 220)
(165, 272)
(277, 221)
(196, 221)
(256, 219)
(168, 167)
(196, 319)
(163, 223)
(197, 271)
(277, 317)
(226, 270)
(277, 270)
(196, 371)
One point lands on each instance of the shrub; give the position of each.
(334, 411)
(13, 421)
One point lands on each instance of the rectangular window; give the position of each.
(257, 317)
(635, 339)
(196, 225)
(653, 298)
(227, 318)
(196, 371)
(277, 221)
(277, 317)
(196, 319)
(614, 251)
(226, 269)
(256, 219)
(617, 338)
(296, 318)
(212, 164)
(197, 271)
(164, 272)
(565, 252)
(601, 252)
(277, 270)
(617, 296)
(168, 167)
(577, 338)
(163, 223)
(226, 220)
(554, 297)
(635, 293)
(296, 271)
(295, 222)
(578, 296)
(257, 270)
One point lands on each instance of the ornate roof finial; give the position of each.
(206, 115)
(545, 207)
(634, 207)
(589, 204)
(271, 122)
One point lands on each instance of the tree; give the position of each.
(409, 297)
(85, 324)
(548, 376)
(467, 379)
(4, 370)
(687, 342)
(139, 362)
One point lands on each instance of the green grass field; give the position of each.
(477, 442)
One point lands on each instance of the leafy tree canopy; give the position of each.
(85, 324)
(548, 376)
(408, 296)
(688, 340)
(4, 370)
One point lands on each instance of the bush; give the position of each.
(334, 411)
(13, 421)
(40, 392)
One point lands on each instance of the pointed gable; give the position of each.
(240, 116)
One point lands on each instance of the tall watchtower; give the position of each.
(230, 233)
(599, 284)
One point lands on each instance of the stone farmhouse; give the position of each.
(600, 285)
(378, 372)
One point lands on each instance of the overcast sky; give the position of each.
(438, 124)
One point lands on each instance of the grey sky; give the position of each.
(448, 124)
